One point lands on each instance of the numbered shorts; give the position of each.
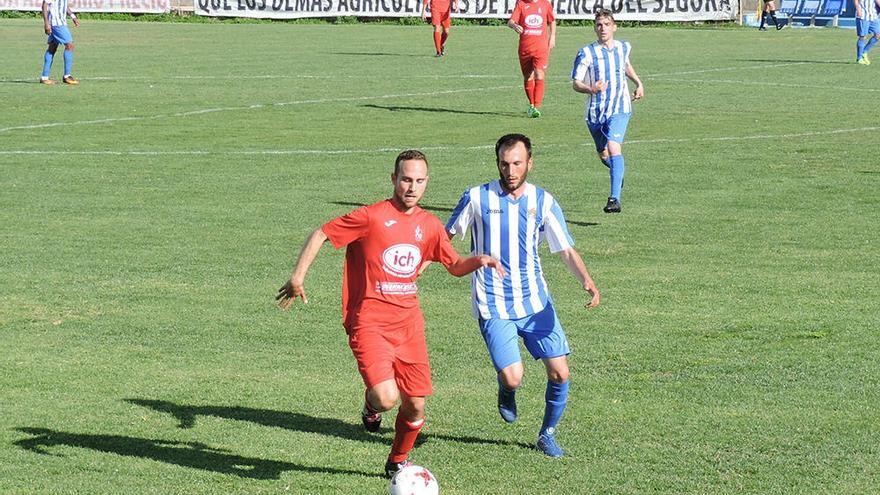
(531, 61)
(441, 17)
(865, 27)
(60, 35)
(398, 353)
(541, 332)
(613, 129)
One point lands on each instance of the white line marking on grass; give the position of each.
(249, 107)
(766, 83)
(435, 148)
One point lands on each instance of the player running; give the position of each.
(867, 24)
(536, 24)
(55, 14)
(441, 19)
(508, 219)
(601, 70)
(769, 9)
(386, 244)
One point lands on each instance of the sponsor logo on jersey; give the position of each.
(534, 20)
(389, 223)
(401, 260)
(494, 211)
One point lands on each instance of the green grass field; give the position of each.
(149, 215)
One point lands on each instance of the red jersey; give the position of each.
(535, 17)
(385, 249)
(440, 6)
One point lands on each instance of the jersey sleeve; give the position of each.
(627, 49)
(442, 251)
(581, 65)
(551, 15)
(462, 216)
(555, 229)
(342, 231)
(516, 16)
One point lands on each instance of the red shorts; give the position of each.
(531, 61)
(397, 353)
(443, 18)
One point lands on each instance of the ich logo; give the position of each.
(401, 260)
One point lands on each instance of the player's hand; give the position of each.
(424, 17)
(600, 86)
(456, 7)
(494, 264)
(288, 293)
(552, 44)
(76, 22)
(519, 29)
(594, 299)
(639, 93)
(47, 28)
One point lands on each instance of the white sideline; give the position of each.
(759, 83)
(827, 132)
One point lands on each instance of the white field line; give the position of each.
(250, 107)
(759, 83)
(827, 132)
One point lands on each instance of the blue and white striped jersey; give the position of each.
(595, 63)
(869, 10)
(57, 12)
(511, 231)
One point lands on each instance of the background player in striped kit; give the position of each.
(867, 24)
(508, 219)
(601, 70)
(55, 14)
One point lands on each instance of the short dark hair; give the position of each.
(408, 155)
(509, 140)
(605, 13)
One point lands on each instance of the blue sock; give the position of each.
(860, 48)
(68, 62)
(47, 63)
(617, 169)
(556, 397)
(869, 45)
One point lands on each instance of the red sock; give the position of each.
(443, 38)
(405, 434)
(529, 86)
(437, 44)
(539, 92)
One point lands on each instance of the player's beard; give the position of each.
(510, 186)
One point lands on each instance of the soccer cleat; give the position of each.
(865, 56)
(438, 54)
(372, 421)
(863, 61)
(612, 206)
(443, 50)
(391, 467)
(547, 443)
(762, 28)
(507, 404)
(780, 26)
(70, 80)
(536, 113)
(46, 81)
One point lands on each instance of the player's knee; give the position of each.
(384, 401)
(511, 377)
(68, 47)
(559, 375)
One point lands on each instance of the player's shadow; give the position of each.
(423, 206)
(396, 108)
(376, 54)
(186, 418)
(19, 81)
(187, 454)
(790, 61)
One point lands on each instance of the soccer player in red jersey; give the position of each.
(386, 245)
(536, 24)
(441, 19)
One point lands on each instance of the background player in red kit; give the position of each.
(441, 19)
(386, 245)
(536, 24)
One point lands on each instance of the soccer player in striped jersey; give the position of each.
(867, 28)
(601, 70)
(508, 218)
(387, 244)
(55, 14)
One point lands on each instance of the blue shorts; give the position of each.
(60, 35)
(865, 27)
(614, 129)
(541, 333)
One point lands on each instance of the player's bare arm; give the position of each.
(294, 287)
(576, 266)
(72, 17)
(46, 26)
(552, 31)
(516, 27)
(640, 90)
(424, 10)
(464, 266)
(582, 87)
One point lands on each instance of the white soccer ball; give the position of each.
(414, 480)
